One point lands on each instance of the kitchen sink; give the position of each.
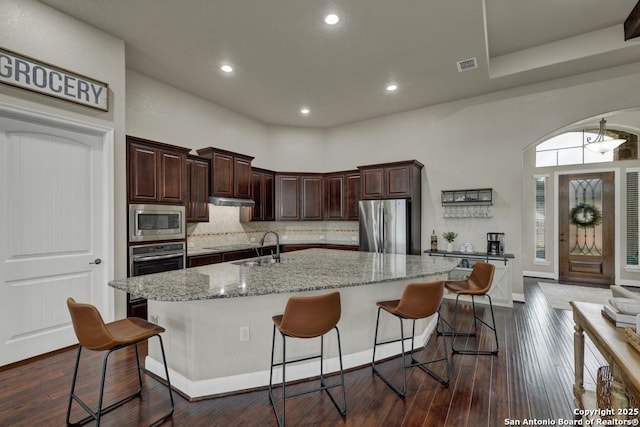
(255, 262)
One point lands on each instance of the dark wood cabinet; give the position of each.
(291, 247)
(397, 180)
(299, 197)
(230, 173)
(237, 255)
(200, 260)
(335, 207)
(390, 180)
(263, 194)
(198, 171)
(312, 197)
(352, 195)
(287, 197)
(342, 193)
(156, 172)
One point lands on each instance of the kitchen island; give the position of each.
(218, 317)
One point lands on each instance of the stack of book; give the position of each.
(617, 318)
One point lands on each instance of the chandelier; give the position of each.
(603, 143)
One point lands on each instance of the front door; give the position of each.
(54, 226)
(586, 228)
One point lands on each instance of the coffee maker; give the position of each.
(495, 243)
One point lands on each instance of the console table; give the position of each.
(623, 359)
(501, 290)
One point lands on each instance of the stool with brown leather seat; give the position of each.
(93, 334)
(307, 317)
(477, 284)
(418, 301)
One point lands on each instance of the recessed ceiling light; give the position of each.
(227, 68)
(305, 110)
(332, 19)
(392, 87)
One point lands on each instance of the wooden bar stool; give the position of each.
(94, 334)
(419, 300)
(478, 284)
(307, 317)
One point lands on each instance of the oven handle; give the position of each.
(155, 257)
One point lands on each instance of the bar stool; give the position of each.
(95, 335)
(419, 300)
(307, 317)
(478, 284)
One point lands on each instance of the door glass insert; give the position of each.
(585, 217)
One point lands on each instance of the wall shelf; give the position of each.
(473, 203)
(472, 197)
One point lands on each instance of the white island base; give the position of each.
(219, 346)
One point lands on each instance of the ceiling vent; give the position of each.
(467, 64)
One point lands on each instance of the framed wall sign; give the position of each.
(37, 76)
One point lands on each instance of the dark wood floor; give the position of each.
(530, 378)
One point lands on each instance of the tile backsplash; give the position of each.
(225, 228)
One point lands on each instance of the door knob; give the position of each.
(96, 261)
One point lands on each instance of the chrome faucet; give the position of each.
(277, 255)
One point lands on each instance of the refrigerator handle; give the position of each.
(382, 231)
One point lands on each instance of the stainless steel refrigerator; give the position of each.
(384, 226)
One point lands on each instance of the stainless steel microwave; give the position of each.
(156, 222)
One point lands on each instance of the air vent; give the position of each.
(467, 64)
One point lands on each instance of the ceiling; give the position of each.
(285, 56)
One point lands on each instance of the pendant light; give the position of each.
(600, 144)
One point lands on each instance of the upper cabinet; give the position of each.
(342, 193)
(299, 197)
(198, 171)
(156, 172)
(263, 194)
(390, 180)
(230, 173)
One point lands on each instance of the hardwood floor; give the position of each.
(530, 378)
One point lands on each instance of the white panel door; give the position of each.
(53, 227)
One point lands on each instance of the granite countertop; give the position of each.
(240, 247)
(306, 270)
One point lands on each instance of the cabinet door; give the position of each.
(196, 261)
(312, 196)
(222, 172)
(268, 197)
(352, 196)
(143, 173)
(172, 177)
(257, 212)
(372, 184)
(287, 198)
(242, 178)
(198, 194)
(398, 181)
(334, 201)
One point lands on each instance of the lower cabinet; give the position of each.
(206, 259)
(300, 247)
(198, 260)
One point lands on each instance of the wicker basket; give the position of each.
(632, 337)
(603, 388)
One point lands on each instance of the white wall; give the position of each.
(163, 113)
(33, 29)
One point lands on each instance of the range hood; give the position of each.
(228, 201)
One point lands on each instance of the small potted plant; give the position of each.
(449, 236)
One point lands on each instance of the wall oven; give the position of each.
(149, 223)
(148, 259)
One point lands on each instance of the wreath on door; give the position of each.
(585, 215)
